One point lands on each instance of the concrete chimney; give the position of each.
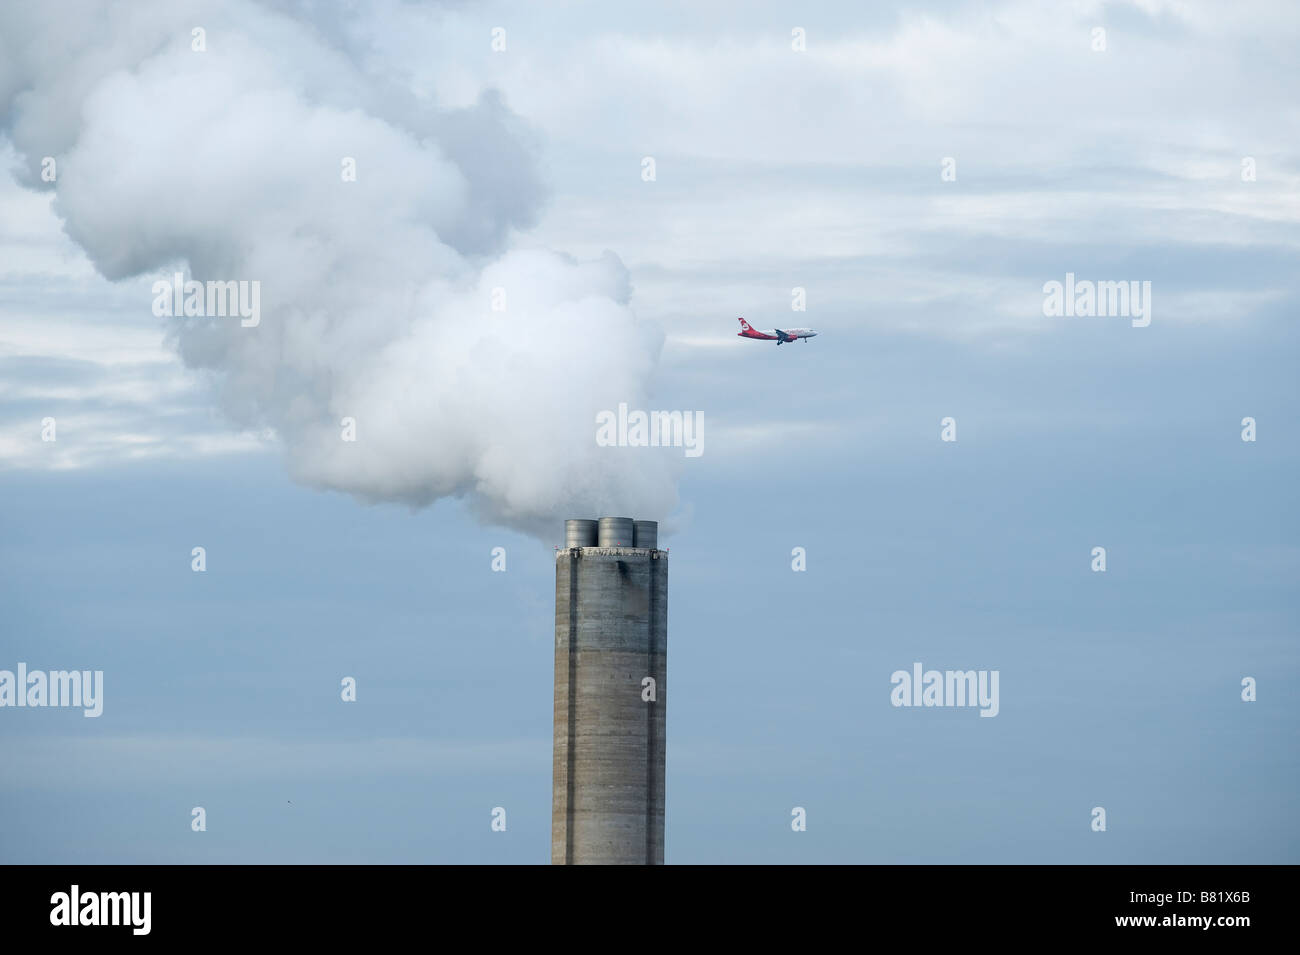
(611, 675)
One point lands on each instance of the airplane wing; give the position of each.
(782, 336)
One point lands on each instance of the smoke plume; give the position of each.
(376, 294)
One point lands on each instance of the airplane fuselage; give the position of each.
(778, 335)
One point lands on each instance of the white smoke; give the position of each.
(375, 294)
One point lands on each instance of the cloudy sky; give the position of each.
(1161, 150)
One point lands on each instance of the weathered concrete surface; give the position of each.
(611, 631)
(616, 532)
(580, 533)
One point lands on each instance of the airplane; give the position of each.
(780, 336)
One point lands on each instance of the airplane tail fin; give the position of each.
(744, 325)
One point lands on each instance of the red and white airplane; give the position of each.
(778, 335)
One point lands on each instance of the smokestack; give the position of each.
(611, 669)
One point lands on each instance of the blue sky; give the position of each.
(775, 169)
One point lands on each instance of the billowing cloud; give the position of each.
(392, 299)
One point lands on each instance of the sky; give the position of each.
(920, 172)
